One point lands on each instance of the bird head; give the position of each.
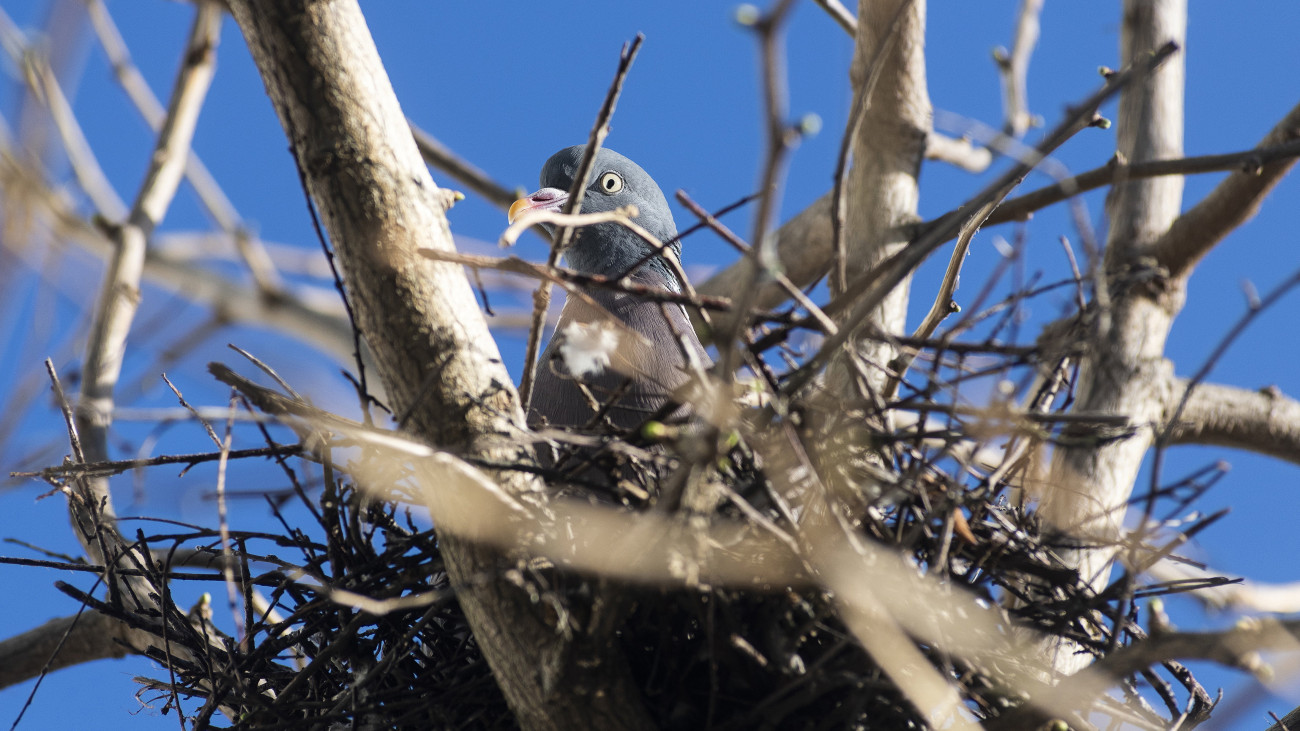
(608, 249)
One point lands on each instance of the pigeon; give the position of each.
(638, 374)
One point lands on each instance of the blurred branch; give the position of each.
(66, 641)
(89, 499)
(80, 155)
(804, 242)
(781, 279)
(959, 152)
(1013, 69)
(1237, 596)
(868, 289)
(119, 294)
(440, 156)
(318, 321)
(209, 192)
(842, 15)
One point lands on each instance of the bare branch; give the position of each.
(434, 352)
(1020, 207)
(870, 288)
(1014, 69)
(1230, 204)
(64, 642)
(572, 204)
(959, 152)
(1124, 371)
(1263, 421)
(210, 194)
(841, 15)
(1237, 596)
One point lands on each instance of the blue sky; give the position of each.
(506, 89)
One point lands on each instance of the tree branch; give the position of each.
(1233, 202)
(67, 641)
(1264, 421)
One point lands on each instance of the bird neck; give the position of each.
(616, 253)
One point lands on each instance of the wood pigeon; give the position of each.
(638, 374)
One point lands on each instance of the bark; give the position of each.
(1264, 421)
(67, 641)
(1125, 371)
(435, 356)
(888, 148)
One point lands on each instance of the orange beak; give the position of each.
(518, 207)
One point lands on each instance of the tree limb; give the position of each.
(1233, 202)
(67, 641)
(1263, 421)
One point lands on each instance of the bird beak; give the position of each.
(546, 199)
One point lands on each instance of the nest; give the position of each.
(351, 621)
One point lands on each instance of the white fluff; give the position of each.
(586, 348)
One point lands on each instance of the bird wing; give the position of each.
(642, 372)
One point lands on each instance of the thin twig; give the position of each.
(730, 237)
(562, 276)
(542, 297)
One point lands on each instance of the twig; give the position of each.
(842, 15)
(223, 524)
(730, 237)
(105, 469)
(68, 418)
(1253, 310)
(562, 276)
(212, 434)
(1021, 207)
(542, 297)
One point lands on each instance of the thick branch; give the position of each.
(1229, 205)
(889, 126)
(1263, 421)
(64, 642)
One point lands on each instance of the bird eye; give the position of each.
(611, 183)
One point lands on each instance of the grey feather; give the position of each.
(656, 367)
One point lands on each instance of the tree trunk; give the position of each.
(435, 355)
(1124, 370)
